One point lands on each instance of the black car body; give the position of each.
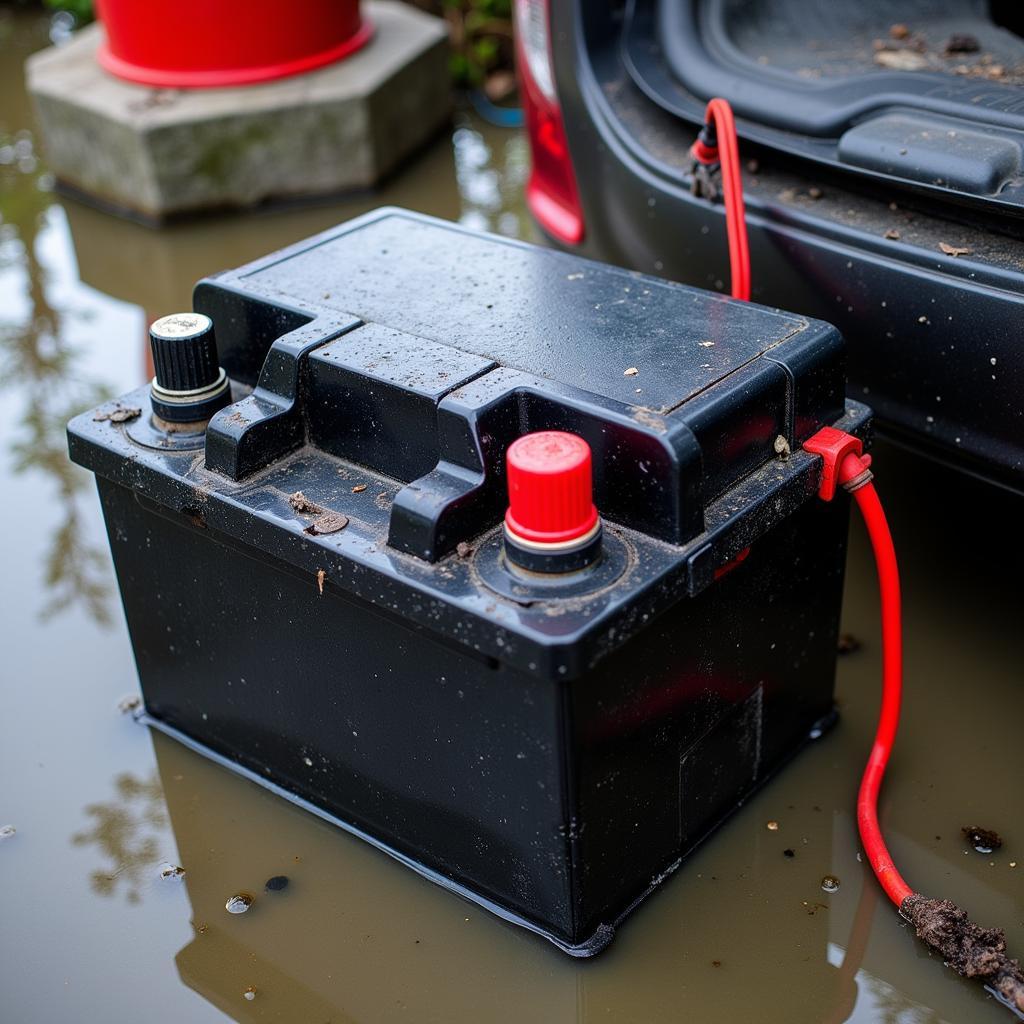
(883, 147)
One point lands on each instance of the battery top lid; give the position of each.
(624, 336)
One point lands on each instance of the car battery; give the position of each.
(509, 562)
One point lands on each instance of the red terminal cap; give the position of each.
(550, 488)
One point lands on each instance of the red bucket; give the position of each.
(202, 44)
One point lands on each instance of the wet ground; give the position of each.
(92, 930)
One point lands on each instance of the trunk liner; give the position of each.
(816, 80)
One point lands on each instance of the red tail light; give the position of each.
(551, 191)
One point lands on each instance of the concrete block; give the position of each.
(154, 153)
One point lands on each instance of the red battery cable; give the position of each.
(971, 950)
(718, 143)
(852, 467)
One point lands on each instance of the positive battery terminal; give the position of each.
(551, 525)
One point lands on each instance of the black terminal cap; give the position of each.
(189, 385)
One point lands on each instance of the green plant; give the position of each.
(81, 9)
(481, 38)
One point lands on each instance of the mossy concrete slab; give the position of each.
(155, 153)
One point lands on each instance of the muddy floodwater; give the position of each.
(121, 853)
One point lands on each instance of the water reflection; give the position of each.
(46, 329)
(355, 936)
(491, 183)
(127, 831)
(38, 358)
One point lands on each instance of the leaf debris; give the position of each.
(954, 250)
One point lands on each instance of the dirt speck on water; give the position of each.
(129, 704)
(171, 871)
(970, 950)
(984, 840)
(321, 575)
(848, 644)
(772, 826)
(277, 883)
(830, 883)
(250, 993)
(239, 903)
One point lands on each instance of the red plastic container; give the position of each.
(202, 44)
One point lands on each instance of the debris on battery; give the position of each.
(326, 521)
(303, 505)
(119, 414)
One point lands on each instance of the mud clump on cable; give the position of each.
(970, 950)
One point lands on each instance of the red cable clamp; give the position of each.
(836, 447)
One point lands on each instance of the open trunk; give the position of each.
(920, 95)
